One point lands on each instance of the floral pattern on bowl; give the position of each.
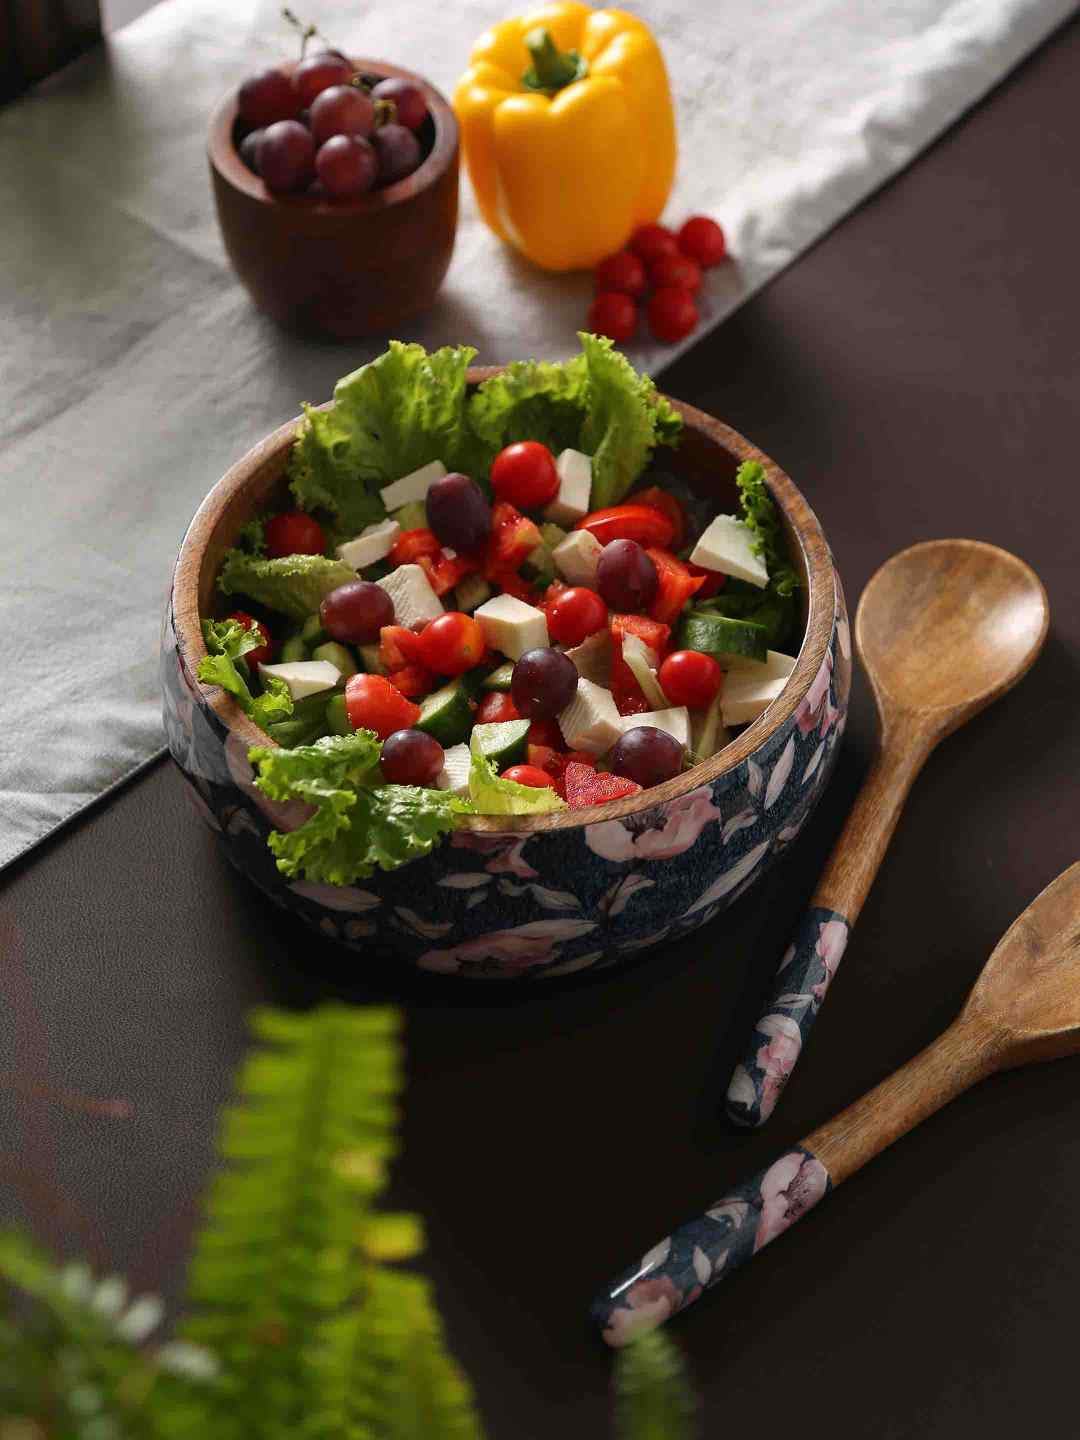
(544, 904)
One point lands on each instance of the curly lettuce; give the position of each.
(492, 795)
(296, 585)
(761, 517)
(228, 641)
(625, 419)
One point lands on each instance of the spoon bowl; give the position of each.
(946, 627)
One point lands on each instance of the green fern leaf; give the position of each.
(654, 1399)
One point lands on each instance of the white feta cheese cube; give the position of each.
(510, 626)
(728, 547)
(304, 677)
(373, 543)
(675, 720)
(571, 504)
(746, 696)
(414, 599)
(591, 721)
(576, 558)
(593, 657)
(454, 776)
(413, 486)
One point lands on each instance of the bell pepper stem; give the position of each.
(552, 68)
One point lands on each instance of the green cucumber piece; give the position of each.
(740, 601)
(292, 732)
(500, 679)
(338, 655)
(312, 632)
(552, 534)
(294, 649)
(504, 743)
(733, 643)
(446, 714)
(369, 660)
(471, 591)
(539, 567)
(337, 716)
(412, 516)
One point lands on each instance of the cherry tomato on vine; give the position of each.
(525, 475)
(530, 775)
(691, 678)
(703, 240)
(452, 643)
(672, 313)
(623, 271)
(678, 270)
(649, 242)
(575, 614)
(293, 533)
(613, 314)
(373, 703)
(262, 654)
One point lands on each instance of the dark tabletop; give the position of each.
(918, 374)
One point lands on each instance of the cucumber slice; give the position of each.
(539, 567)
(337, 716)
(504, 743)
(470, 592)
(499, 679)
(292, 732)
(412, 516)
(369, 660)
(294, 649)
(312, 632)
(337, 655)
(446, 714)
(733, 643)
(552, 534)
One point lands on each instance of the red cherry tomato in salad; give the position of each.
(524, 474)
(703, 240)
(452, 643)
(530, 775)
(293, 533)
(643, 523)
(623, 272)
(262, 654)
(575, 614)
(664, 501)
(677, 270)
(411, 544)
(688, 677)
(398, 647)
(497, 707)
(672, 314)
(649, 242)
(374, 703)
(613, 314)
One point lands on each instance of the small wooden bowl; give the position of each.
(341, 269)
(510, 896)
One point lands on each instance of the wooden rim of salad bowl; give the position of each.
(249, 485)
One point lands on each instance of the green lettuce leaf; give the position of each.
(531, 400)
(227, 641)
(252, 537)
(625, 419)
(760, 515)
(359, 824)
(388, 418)
(294, 584)
(491, 795)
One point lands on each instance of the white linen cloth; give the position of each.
(135, 370)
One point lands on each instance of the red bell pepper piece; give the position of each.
(711, 580)
(513, 537)
(445, 571)
(666, 503)
(627, 693)
(643, 523)
(411, 544)
(398, 647)
(514, 585)
(413, 681)
(675, 588)
(584, 786)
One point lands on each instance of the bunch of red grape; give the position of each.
(671, 263)
(327, 131)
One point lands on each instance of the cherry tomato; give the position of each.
(497, 707)
(262, 654)
(672, 314)
(613, 314)
(293, 533)
(677, 270)
(649, 242)
(411, 544)
(452, 643)
(373, 703)
(575, 614)
(530, 775)
(687, 677)
(622, 271)
(547, 734)
(525, 475)
(703, 240)
(643, 523)
(544, 758)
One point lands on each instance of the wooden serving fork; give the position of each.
(1025, 1007)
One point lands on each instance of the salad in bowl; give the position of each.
(455, 613)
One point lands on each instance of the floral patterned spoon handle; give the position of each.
(1024, 1007)
(942, 629)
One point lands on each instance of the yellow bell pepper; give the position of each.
(568, 131)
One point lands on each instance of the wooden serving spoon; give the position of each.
(1025, 1007)
(942, 629)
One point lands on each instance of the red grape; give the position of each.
(408, 100)
(249, 150)
(286, 156)
(672, 313)
(613, 314)
(411, 757)
(318, 72)
(355, 612)
(703, 240)
(342, 110)
(347, 166)
(266, 97)
(543, 683)
(458, 512)
(647, 755)
(626, 577)
(399, 152)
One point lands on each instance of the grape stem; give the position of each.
(307, 31)
(385, 113)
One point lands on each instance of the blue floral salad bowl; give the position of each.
(550, 895)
